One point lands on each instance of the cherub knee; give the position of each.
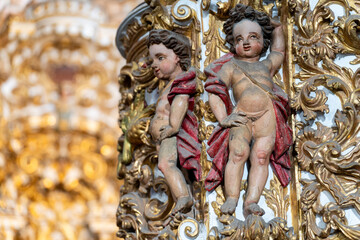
(239, 155)
(262, 157)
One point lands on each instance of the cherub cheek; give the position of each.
(165, 68)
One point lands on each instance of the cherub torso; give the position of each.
(249, 97)
(162, 113)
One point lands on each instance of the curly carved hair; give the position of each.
(177, 42)
(240, 12)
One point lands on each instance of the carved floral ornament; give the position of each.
(325, 156)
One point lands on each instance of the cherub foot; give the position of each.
(183, 205)
(229, 206)
(253, 208)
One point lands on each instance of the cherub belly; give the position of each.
(161, 118)
(156, 123)
(253, 100)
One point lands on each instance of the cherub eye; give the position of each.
(239, 39)
(161, 58)
(253, 36)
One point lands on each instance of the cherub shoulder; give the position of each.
(228, 66)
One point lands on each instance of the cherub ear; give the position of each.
(177, 60)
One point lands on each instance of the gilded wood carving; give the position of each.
(311, 76)
(329, 153)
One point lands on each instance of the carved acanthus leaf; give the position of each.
(276, 199)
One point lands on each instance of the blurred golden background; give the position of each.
(58, 118)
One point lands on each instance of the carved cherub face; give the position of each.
(165, 62)
(249, 40)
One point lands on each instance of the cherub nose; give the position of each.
(153, 64)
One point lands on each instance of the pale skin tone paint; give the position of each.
(253, 118)
(167, 122)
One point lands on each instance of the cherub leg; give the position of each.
(238, 154)
(173, 175)
(259, 157)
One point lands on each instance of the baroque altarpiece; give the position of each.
(320, 76)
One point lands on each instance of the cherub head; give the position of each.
(170, 51)
(246, 26)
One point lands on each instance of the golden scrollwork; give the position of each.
(156, 210)
(330, 153)
(183, 12)
(348, 32)
(192, 230)
(138, 214)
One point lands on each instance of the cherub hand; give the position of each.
(167, 131)
(235, 119)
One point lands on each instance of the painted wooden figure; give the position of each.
(256, 127)
(174, 126)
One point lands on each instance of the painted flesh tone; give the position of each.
(167, 122)
(253, 118)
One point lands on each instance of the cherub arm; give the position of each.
(277, 47)
(218, 106)
(178, 109)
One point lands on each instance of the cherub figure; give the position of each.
(256, 126)
(174, 126)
